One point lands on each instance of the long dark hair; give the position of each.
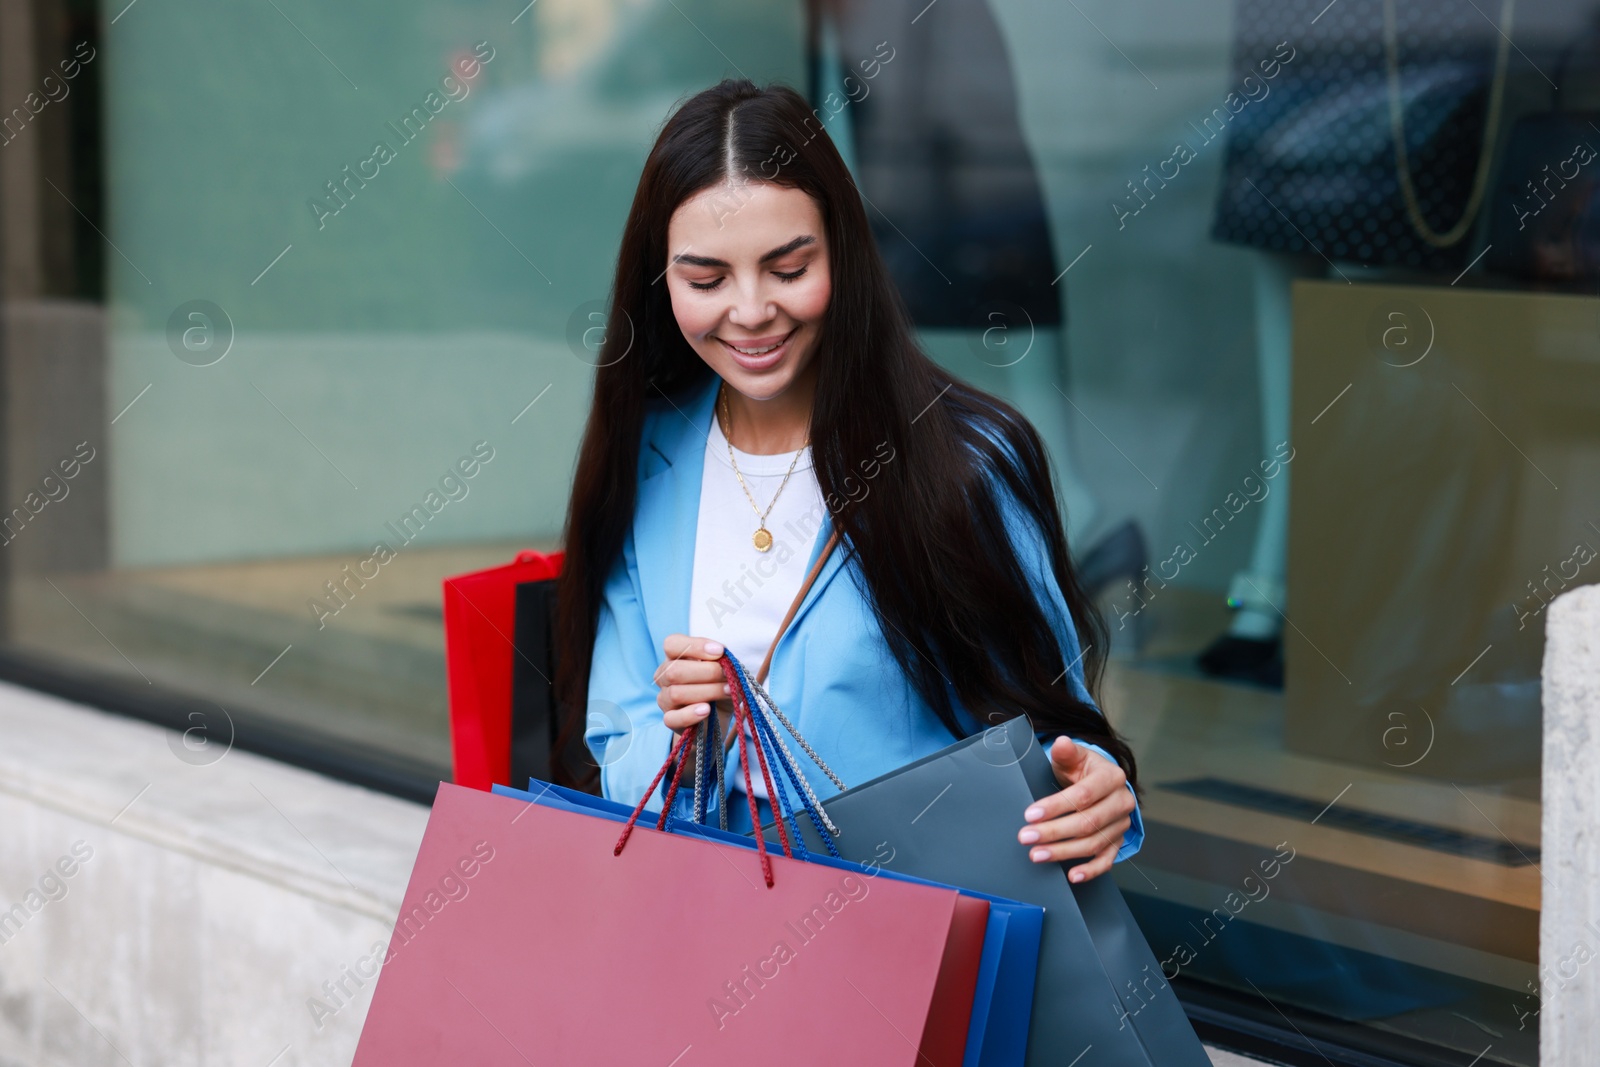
(954, 604)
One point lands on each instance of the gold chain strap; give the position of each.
(1397, 130)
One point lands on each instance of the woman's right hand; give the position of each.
(691, 681)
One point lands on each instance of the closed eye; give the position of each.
(790, 276)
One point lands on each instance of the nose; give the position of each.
(750, 307)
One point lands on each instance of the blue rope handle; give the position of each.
(765, 728)
(772, 744)
(781, 804)
(707, 736)
(782, 808)
(803, 785)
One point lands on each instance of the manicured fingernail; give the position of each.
(1028, 837)
(1033, 813)
(1075, 876)
(724, 689)
(713, 649)
(1039, 855)
(702, 710)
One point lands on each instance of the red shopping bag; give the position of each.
(479, 624)
(525, 938)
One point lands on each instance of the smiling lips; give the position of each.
(759, 353)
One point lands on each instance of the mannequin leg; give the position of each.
(1252, 647)
(1274, 329)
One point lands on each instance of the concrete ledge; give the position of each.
(212, 894)
(1569, 921)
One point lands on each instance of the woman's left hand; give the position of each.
(1086, 818)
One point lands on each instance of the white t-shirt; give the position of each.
(739, 594)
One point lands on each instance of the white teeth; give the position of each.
(755, 351)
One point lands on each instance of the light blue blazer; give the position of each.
(832, 673)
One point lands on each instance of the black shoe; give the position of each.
(1258, 661)
(1119, 554)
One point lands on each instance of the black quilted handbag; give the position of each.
(1373, 143)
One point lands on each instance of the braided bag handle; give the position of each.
(678, 758)
(751, 708)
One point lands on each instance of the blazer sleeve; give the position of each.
(1031, 554)
(624, 729)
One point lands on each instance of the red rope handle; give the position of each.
(648, 793)
(678, 759)
(736, 692)
(761, 844)
(682, 753)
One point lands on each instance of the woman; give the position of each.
(759, 390)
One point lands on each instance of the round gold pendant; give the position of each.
(763, 540)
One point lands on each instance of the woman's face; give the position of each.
(747, 270)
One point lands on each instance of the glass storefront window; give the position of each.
(343, 263)
(1300, 296)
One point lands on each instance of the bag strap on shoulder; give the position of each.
(794, 607)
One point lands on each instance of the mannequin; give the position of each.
(1322, 166)
(1252, 647)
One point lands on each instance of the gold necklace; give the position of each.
(762, 538)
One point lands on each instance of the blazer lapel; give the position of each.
(667, 510)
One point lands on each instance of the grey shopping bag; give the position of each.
(952, 817)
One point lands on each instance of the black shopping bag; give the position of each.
(952, 817)
(533, 706)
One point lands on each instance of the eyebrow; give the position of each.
(777, 253)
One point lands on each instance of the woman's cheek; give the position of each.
(814, 301)
(696, 318)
